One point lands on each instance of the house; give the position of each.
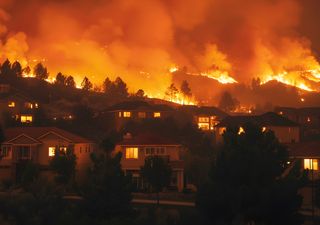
(137, 111)
(39, 145)
(284, 129)
(136, 149)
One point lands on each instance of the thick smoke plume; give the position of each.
(141, 40)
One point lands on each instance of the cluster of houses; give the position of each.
(39, 144)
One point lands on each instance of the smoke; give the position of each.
(141, 40)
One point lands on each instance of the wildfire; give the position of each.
(222, 77)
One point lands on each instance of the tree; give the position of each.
(157, 172)
(60, 79)
(107, 192)
(6, 69)
(248, 183)
(63, 164)
(41, 72)
(107, 85)
(185, 89)
(70, 82)
(227, 102)
(26, 70)
(140, 93)
(171, 92)
(86, 85)
(121, 88)
(16, 69)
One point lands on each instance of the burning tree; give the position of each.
(228, 103)
(41, 72)
(172, 92)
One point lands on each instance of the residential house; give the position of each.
(137, 111)
(284, 129)
(136, 149)
(39, 145)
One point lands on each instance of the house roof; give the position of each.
(148, 139)
(305, 149)
(38, 132)
(139, 105)
(266, 119)
(204, 110)
(307, 111)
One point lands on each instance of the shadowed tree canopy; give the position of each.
(140, 93)
(40, 72)
(115, 89)
(60, 79)
(250, 181)
(16, 69)
(70, 82)
(185, 89)
(171, 92)
(227, 102)
(86, 84)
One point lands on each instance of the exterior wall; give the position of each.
(83, 152)
(209, 121)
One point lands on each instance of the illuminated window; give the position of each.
(222, 130)
(141, 114)
(203, 126)
(11, 104)
(63, 149)
(52, 151)
(120, 114)
(26, 119)
(241, 130)
(131, 153)
(310, 164)
(28, 105)
(264, 129)
(156, 114)
(203, 120)
(36, 105)
(308, 119)
(127, 114)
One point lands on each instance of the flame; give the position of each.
(222, 77)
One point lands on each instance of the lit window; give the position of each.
(28, 105)
(52, 151)
(241, 130)
(308, 119)
(203, 120)
(63, 149)
(264, 129)
(131, 153)
(141, 114)
(127, 114)
(119, 114)
(310, 164)
(156, 114)
(203, 126)
(222, 130)
(11, 104)
(26, 119)
(36, 105)
(281, 113)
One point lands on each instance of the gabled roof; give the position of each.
(148, 139)
(305, 149)
(38, 132)
(267, 119)
(139, 105)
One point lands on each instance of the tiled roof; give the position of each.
(37, 132)
(267, 119)
(148, 139)
(305, 149)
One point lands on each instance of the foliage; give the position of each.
(116, 89)
(171, 92)
(70, 82)
(40, 72)
(140, 93)
(86, 84)
(247, 183)
(29, 174)
(60, 79)
(63, 164)
(108, 191)
(185, 89)
(16, 69)
(227, 102)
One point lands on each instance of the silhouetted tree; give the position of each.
(16, 69)
(185, 89)
(157, 172)
(60, 79)
(63, 164)
(70, 82)
(250, 181)
(121, 88)
(6, 69)
(227, 102)
(107, 192)
(41, 72)
(26, 70)
(171, 92)
(140, 93)
(86, 85)
(107, 85)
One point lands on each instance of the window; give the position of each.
(203, 120)
(155, 151)
(310, 164)
(127, 114)
(203, 126)
(24, 152)
(132, 153)
(63, 149)
(26, 119)
(156, 114)
(11, 104)
(52, 151)
(142, 114)
(5, 151)
(28, 105)
(120, 114)
(241, 130)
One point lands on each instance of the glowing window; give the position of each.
(63, 149)
(222, 130)
(26, 119)
(264, 129)
(141, 114)
(203, 120)
(203, 126)
(310, 164)
(11, 104)
(241, 130)
(156, 114)
(131, 153)
(127, 114)
(52, 151)
(120, 114)
(36, 105)
(308, 119)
